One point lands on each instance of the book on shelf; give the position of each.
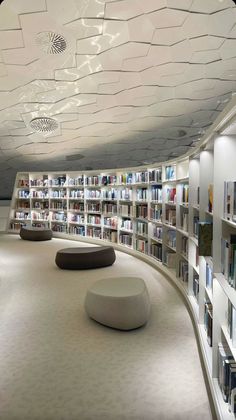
(92, 180)
(108, 180)
(141, 177)
(126, 178)
(184, 246)
(79, 180)
(208, 321)
(111, 222)
(94, 232)
(169, 258)
(24, 182)
(126, 194)
(157, 232)
(230, 200)
(126, 240)
(209, 277)
(156, 193)
(110, 235)
(231, 323)
(156, 212)
(228, 259)
(171, 238)
(141, 245)
(171, 195)
(225, 364)
(126, 210)
(155, 175)
(196, 286)
(183, 270)
(110, 194)
(210, 198)
(185, 193)
(205, 236)
(126, 224)
(77, 230)
(156, 250)
(184, 221)
(195, 226)
(171, 216)
(142, 228)
(142, 211)
(170, 173)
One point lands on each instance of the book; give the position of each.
(210, 198)
(205, 236)
(230, 200)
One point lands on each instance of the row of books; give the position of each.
(142, 228)
(228, 259)
(171, 238)
(157, 232)
(156, 251)
(156, 212)
(141, 245)
(231, 323)
(142, 211)
(171, 195)
(171, 216)
(227, 376)
(230, 200)
(111, 222)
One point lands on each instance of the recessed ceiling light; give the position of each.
(51, 42)
(44, 125)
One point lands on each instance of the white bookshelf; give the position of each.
(135, 210)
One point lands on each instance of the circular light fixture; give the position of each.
(51, 42)
(44, 125)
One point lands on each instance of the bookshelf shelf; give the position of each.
(229, 222)
(194, 240)
(229, 341)
(228, 290)
(183, 232)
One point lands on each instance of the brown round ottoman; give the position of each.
(30, 233)
(85, 258)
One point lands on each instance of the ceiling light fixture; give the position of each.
(51, 42)
(44, 125)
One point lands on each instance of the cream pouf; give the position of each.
(120, 302)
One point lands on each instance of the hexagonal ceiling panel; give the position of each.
(114, 82)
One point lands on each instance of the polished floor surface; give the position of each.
(57, 364)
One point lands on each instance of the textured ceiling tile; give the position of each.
(115, 60)
(11, 39)
(27, 6)
(123, 9)
(209, 6)
(168, 36)
(126, 80)
(8, 18)
(221, 23)
(221, 68)
(90, 8)
(181, 52)
(206, 42)
(3, 70)
(63, 12)
(179, 4)
(228, 49)
(114, 34)
(196, 25)
(20, 56)
(141, 29)
(85, 28)
(204, 57)
(167, 18)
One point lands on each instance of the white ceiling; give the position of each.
(139, 82)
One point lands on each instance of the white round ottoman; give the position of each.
(121, 302)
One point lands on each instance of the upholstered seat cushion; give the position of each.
(30, 233)
(85, 258)
(121, 302)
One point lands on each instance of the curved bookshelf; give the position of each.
(152, 213)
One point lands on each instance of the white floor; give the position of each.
(57, 364)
